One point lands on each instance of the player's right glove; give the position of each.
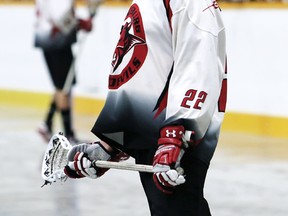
(54, 31)
(81, 156)
(167, 158)
(85, 25)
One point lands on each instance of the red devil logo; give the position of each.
(132, 39)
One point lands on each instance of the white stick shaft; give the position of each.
(124, 166)
(92, 6)
(72, 71)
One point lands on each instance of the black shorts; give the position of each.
(188, 199)
(59, 63)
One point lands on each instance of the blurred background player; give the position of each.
(56, 32)
(166, 102)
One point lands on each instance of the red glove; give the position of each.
(85, 25)
(167, 159)
(54, 31)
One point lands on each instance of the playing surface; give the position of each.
(248, 176)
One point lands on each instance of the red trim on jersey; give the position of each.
(162, 105)
(223, 97)
(223, 94)
(162, 100)
(168, 11)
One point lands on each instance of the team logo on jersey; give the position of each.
(133, 42)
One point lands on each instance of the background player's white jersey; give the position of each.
(168, 68)
(53, 14)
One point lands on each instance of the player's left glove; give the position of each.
(167, 158)
(80, 159)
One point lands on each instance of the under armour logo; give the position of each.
(170, 133)
(214, 5)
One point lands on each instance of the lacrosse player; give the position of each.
(55, 33)
(166, 102)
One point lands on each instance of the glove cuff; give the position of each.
(173, 131)
(98, 151)
(109, 153)
(113, 153)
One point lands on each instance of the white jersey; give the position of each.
(52, 14)
(169, 67)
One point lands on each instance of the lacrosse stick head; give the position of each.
(55, 159)
(93, 6)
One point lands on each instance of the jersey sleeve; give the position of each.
(198, 71)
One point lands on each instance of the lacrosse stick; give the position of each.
(55, 159)
(93, 5)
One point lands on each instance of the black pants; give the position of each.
(187, 200)
(59, 63)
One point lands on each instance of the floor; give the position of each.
(248, 176)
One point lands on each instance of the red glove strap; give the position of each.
(77, 169)
(163, 141)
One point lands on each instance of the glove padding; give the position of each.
(166, 181)
(80, 159)
(85, 25)
(167, 158)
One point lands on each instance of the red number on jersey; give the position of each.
(190, 96)
(201, 99)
